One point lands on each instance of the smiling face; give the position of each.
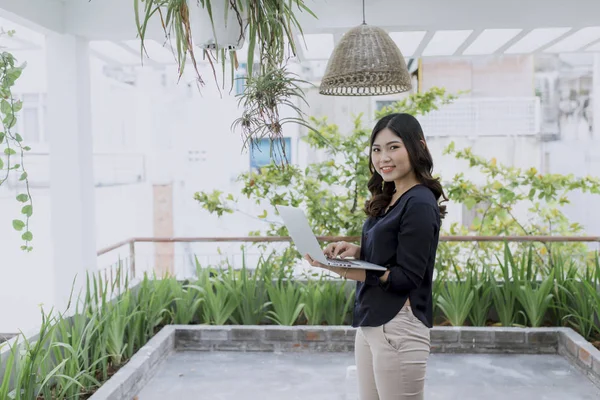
(390, 157)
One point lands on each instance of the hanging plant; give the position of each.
(263, 96)
(11, 143)
(267, 25)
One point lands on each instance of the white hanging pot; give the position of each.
(227, 33)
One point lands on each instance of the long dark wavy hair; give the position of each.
(407, 128)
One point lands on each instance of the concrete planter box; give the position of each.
(130, 379)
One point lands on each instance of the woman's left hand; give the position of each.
(313, 262)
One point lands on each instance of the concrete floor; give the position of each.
(321, 376)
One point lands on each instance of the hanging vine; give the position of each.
(12, 150)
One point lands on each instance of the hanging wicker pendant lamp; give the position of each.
(366, 62)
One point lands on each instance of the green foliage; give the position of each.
(535, 300)
(187, 302)
(482, 299)
(507, 189)
(268, 27)
(332, 192)
(249, 287)
(456, 300)
(264, 95)
(338, 302)
(73, 356)
(327, 302)
(12, 149)
(219, 300)
(286, 300)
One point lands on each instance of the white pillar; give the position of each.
(596, 98)
(71, 164)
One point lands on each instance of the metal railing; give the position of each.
(130, 259)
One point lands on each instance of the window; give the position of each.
(31, 119)
(241, 74)
(262, 152)
(240, 79)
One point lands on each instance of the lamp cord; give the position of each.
(364, 23)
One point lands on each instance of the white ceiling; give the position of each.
(428, 28)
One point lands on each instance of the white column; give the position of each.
(596, 98)
(71, 164)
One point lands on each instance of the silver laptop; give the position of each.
(307, 243)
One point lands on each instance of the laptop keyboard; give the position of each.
(340, 261)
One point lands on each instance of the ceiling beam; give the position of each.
(512, 41)
(591, 44)
(468, 41)
(41, 15)
(426, 39)
(558, 39)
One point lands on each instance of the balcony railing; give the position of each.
(485, 116)
(130, 257)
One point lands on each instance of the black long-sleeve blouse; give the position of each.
(404, 239)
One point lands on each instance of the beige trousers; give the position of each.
(391, 360)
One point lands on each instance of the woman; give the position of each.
(393, 309)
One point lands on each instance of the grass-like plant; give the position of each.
(71, 356)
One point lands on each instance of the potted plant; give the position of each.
(219, 28)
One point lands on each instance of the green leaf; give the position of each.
(470, 203)
(22, 198)
(9, 152)
(27, 236)
(5, 107)
(23, 176)
(18, 138)
(18, 224)
(10, 121)
(27, 210)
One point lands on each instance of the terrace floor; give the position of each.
(321, 376)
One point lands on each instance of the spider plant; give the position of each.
(268, 26)
(263, 97)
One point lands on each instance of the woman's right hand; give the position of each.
(342, 249)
